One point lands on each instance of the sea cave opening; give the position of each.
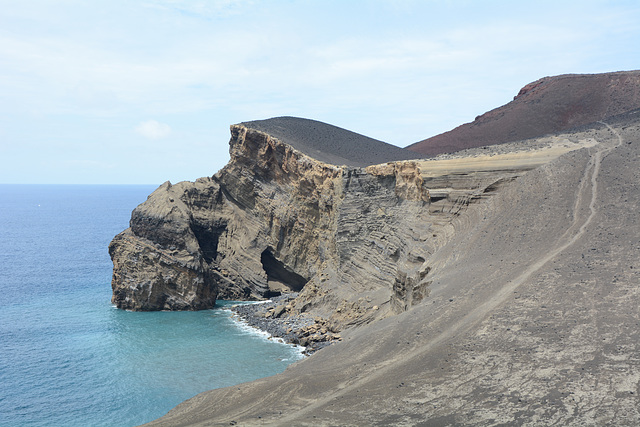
(280, 278)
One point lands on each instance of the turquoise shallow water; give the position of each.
(67, 357)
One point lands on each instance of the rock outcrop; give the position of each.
(529, 303)
(498, 285)
(276, 220)
(351, 242)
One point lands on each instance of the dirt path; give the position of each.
(588, 190)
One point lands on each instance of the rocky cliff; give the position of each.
(494, 286)
(351, 243)
(276, 220)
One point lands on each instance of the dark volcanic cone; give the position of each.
(548, 105)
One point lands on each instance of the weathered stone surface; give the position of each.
(158, 264)
(274, 220)
(531, 316)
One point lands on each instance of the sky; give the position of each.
(141, 92)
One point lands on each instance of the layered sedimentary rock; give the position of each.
(276, 220)
(353, 242)
(548, 105)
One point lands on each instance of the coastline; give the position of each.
(269, 316)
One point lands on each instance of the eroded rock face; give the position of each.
(275, 220)
(159, 263)
(355, 244)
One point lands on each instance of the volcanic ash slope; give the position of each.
(546, 106)
(531, 317)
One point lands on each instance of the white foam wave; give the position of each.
(243, 326)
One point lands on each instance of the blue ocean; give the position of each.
(67, 356)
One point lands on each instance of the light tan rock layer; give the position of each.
(276, 220)
(354, 242)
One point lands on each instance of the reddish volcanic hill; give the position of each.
(548, 105)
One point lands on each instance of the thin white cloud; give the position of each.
(152, 129)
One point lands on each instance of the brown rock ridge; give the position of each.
(353, 242)
(546, 106)
(330, 144)
(273, 221)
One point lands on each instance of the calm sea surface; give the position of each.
(67, 356)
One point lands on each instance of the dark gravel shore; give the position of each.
(272, 317)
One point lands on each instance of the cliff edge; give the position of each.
(275, 220)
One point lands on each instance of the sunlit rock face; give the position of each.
(352, 241)
(275, 220)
